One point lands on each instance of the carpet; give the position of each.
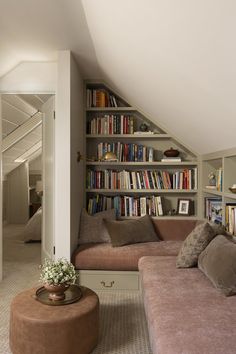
(123, 328)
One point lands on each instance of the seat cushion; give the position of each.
(105, 257)
(185, 313)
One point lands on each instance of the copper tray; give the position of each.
(73, 294)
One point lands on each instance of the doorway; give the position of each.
(22, 165)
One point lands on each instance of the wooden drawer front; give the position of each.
(109, 280)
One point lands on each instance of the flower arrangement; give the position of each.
(58, 272)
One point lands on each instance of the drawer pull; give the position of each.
(107, 285)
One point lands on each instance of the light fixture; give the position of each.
(29, 152)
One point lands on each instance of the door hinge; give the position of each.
(54, 114)
(54, 250)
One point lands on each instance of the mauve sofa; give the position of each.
(102, 256)
(185, 313)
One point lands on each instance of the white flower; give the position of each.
(58, 272)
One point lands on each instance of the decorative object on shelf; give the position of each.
(233, 188)
(212, 179)
(57, 276)
(109, 156)
(171, 152)
(143, 127)
(184, 206)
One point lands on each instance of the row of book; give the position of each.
(101, 98)
(111, 124)
(144, 179)
(126, 205)
(126, 152)
(213, 209)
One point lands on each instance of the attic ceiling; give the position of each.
(16, 111)
(174, 60)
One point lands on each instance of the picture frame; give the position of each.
(184, 206)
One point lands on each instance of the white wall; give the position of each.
(30, 77)
(35, 166)
(77, 144)
(18, 195)
(68, 175)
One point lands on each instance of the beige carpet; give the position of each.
(123, 328)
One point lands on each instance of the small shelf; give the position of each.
(230, 195)
(146, 191)
(110, 109)
(213, 191)
(128, 136)
(166, 217)
(144, 163)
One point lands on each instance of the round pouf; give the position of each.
(36, 328)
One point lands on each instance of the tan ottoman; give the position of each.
(36, 328)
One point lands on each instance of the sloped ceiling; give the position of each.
(175, 60)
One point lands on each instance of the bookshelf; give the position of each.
(225, 161)
(117, 127)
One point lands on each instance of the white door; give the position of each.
(47, 250)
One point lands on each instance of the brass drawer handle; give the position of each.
(107, 286)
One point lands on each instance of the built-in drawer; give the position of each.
(109, 280)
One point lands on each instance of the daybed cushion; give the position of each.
(131, 231)
(194, 244)
(33, 228)
(92, 227)
(105, 257)
(218, 263)
(185, 313)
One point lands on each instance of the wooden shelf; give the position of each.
(154, 163)
(146, 191)
(166, 217)
(128, 136)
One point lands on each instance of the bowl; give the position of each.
(171, 153)
(232, 189)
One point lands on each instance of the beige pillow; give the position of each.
(218, 263)
(194, 244)
(92, 228)
(131, 231)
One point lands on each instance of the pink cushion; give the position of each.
(105, 257)
(185, 313)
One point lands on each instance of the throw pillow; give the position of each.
(92, 228)
(131, 231)
(217, 262)
(194, 244)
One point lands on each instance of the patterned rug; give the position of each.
(123, 328)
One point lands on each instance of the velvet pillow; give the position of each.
(131, 231)
(194, 244)
(92, 228)
(218, 263)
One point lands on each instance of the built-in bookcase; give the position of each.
(137, 181)
(222, 164)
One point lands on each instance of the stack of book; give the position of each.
(126, 205)
(213, 209)
(144, 179)
(109, 124)
(126, 152)
(101, 98)
(230, 217)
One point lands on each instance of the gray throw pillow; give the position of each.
(218, 263)
(131, 231)
(92, 228)
(194, 244)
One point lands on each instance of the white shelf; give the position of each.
(154, 163)
(166, 217)
(230, 195)
(213, 191)
(146, 191)
(128, 136)
(110, 109)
